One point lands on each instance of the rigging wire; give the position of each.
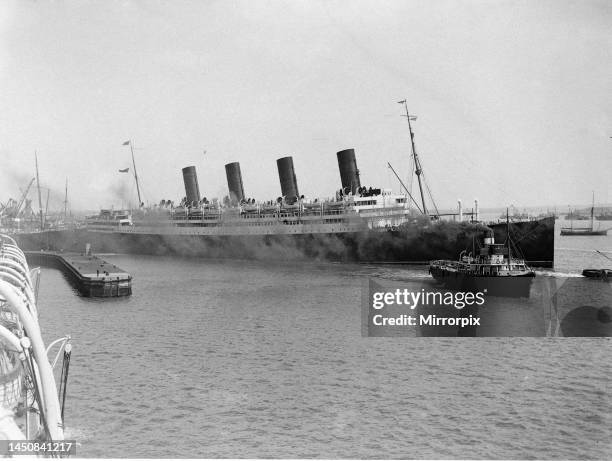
(430, 195)
(409, 194)
(412, 174)
(527, 234)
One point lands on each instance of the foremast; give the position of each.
(129, 143)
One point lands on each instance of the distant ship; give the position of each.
(492, 270)
(575, 216)
(515, 215)
(584, 230)
(604, 216)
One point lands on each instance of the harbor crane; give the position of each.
(23, 197)
(12, 208)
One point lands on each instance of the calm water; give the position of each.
(246, 359)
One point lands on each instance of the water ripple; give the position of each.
(251, 360)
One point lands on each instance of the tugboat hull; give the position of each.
(583, 232)
(514, 286)
(604, 274)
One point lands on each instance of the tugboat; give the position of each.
(493, 271)
(602, 274)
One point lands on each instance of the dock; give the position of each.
(91, 275)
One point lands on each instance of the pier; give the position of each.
(92, 276)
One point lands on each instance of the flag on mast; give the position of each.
(126, 143)
(125, 170)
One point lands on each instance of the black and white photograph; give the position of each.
(306, 229)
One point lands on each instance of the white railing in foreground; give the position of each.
(23, 337)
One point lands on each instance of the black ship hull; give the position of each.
(517, 286)
(576, 232)
(536, 239)
(603, 274)
(412, 243)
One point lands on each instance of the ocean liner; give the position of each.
(239, 226)
(353, 209)
(357, 222)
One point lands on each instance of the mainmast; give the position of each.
(66, 201)
(135, 173)
(508, 237)
(47, 205)
(592, 210)
(417, 165)
(42, 222)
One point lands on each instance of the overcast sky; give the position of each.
(514, 98)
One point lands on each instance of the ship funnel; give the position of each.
(192, 190)
(234, 182)
(288, 181)
(460, 210)
(349, 173)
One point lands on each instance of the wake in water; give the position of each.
(582, 250)
(551, 273)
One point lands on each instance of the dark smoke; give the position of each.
(120, 191)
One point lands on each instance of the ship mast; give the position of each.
(47, 205)
(66, 201)
(135, 173)
(42, 223)
(592, 211)
(417, 165)
(508, 237)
